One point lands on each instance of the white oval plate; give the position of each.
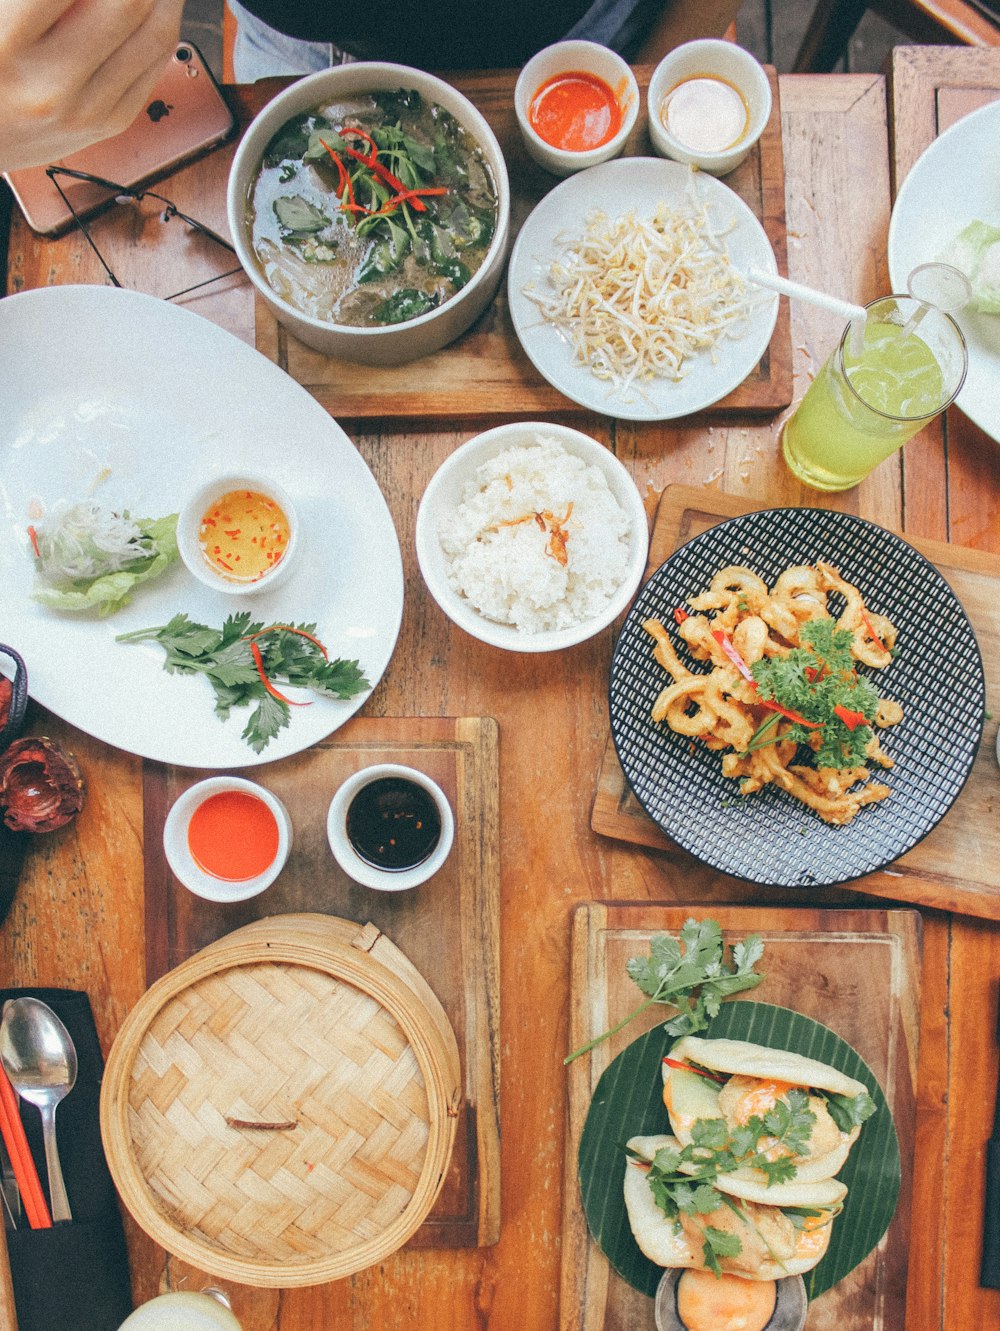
(637, 184)
(95, 378)
(955, 182)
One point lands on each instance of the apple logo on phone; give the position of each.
(157, 110)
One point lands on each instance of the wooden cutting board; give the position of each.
(448, 928)
(856, 971)
(956, 867)
(485, 373)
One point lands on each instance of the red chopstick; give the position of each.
(12, 1131)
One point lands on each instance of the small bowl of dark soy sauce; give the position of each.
(390, 827)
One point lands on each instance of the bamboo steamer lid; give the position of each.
(295, 1020)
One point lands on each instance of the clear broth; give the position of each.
(352, 268)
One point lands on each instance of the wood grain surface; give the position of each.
(448, 927)
(78, 918)
(957, 866)
(835, 966)
(486, 371)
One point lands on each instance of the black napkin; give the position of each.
(74, 1276)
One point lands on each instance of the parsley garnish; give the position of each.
(243, 661)
(690, 974)
(814, 681)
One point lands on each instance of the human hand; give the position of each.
(75, 71)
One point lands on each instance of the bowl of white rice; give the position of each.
(532, 537)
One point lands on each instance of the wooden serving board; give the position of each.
(856, 971)
(485, 373)
(448, 928)
(957, 866)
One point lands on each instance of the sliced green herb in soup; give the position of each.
(372, 211)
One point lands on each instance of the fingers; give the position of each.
(24, 22)
(117, 90)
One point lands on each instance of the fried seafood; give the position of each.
(783, 675)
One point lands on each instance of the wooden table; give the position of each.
(78, 918)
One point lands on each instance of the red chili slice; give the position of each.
(686, 1067)
(875, 638)
(792, 716)
(258, 660)
(734, 656)
(290, 628)
(851, 719)
(680, 615)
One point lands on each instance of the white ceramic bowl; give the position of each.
(182, 863)
(395, 343)
(189, 525)
(443, 495)
(569, 58)
(369, 875)
(724, 60)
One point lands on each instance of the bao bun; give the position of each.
(668, 1244)
(758, 1060)
(757, 1077)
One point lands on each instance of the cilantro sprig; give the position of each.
(688, 973)
(245, 660)
(684, 1179)
(820, 683)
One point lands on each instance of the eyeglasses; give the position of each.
(125, 194)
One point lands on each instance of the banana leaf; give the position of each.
(628, 1102)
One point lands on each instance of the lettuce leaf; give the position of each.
(112, 591)
(976, 252)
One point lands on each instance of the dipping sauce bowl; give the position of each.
(709, 102)
(227, 839)
(238, 534)
(576, 104)
(390, 827)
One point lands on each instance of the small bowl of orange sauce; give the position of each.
(227, 839)
(709, 102)
(238, 534)
(576, 104)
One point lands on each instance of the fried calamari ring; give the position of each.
(873, 636)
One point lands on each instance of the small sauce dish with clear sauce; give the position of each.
(390, 827)
(576, 104)
(227, 839)
(238, 534)
(709, 102)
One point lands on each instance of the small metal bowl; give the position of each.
(790, 1308)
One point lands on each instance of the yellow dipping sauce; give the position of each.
(707, 1302)
(243, 535)
(706, 114)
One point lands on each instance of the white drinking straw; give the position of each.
(855, 315)
(845, 308)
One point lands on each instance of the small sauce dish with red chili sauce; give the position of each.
(238, 534)
(227, 839)
(576, 104)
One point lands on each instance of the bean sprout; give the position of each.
(638, 297)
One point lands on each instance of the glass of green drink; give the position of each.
(875, 392)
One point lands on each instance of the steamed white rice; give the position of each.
(513, 573)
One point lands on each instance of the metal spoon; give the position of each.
(39, 1057)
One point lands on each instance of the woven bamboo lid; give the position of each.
(323, 1028)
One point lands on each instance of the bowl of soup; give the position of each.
(370, 207)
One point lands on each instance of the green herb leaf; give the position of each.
(850, 1111)
(226, 659)
(690, 974)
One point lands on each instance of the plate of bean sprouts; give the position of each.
(627, 292)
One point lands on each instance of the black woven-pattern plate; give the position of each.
(771, 838)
